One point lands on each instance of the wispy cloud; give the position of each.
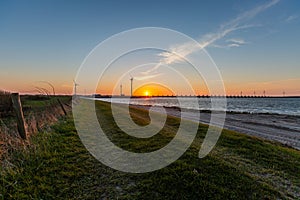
(291, 18)
(231, 43)
(236, 41)
(144, 77)
(238, 23)
(152, 69)
(178, 52)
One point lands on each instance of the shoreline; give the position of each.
(281, 128)
(233, 106)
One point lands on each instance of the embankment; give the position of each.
(39, 115)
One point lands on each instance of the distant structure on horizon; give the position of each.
(121, 90)
(131, 80)
(75, 87)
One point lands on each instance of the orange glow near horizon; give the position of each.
(273, 88)
(153, 90)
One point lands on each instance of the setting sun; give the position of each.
(153, 89)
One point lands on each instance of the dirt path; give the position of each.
(281, 128)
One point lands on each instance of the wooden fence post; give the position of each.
(19, 112)
(62, 106)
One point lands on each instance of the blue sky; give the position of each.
(48, 40)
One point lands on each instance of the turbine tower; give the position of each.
(121, 93)
(131, 80)
(75, 87)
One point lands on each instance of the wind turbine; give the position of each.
(131, 80)
(121, 92)
(75, 87)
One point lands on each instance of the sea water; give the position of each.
(269, 105)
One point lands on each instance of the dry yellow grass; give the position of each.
(39, 115)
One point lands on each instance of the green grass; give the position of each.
(57, 166)
(40, 102)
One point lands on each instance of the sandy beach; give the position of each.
(274, 127)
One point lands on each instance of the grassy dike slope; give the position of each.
(57, 166)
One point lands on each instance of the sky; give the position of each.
(255, 44)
